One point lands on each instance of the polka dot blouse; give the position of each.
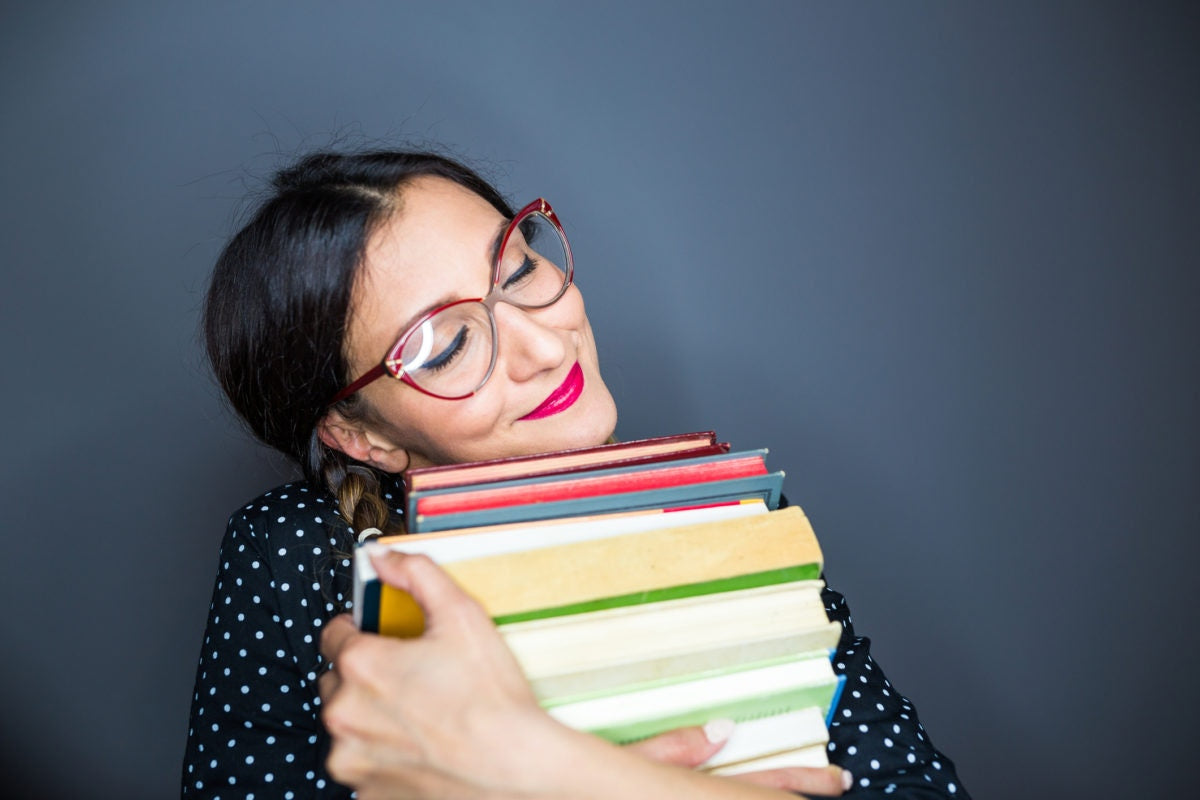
(284, 570)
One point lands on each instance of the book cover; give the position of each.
(755, 741)
(813, 755)
(564, 461)
(750, 691)
(766, 487)
(462, 543)
(592, 483)
(749, 551)
(595, 650)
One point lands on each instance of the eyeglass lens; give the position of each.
(452, 353)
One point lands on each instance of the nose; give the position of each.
(526, 346)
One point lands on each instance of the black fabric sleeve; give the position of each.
(254, 727)
(875, 733)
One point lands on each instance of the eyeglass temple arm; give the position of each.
(372, 374)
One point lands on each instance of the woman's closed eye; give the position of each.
(450, 353)
(522, 274)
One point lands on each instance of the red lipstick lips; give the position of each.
(561, 398)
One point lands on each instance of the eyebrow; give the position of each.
(493, 251)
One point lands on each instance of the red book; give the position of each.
(637, 451)
(605, 482)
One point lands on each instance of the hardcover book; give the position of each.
(641, 586)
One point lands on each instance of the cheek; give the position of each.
(456, 431)
(569, 314)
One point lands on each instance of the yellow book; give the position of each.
(663, 564)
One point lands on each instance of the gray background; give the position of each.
(940, 257)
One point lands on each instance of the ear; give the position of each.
(360, 443)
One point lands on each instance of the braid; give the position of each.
(356, 487)
(360, 499)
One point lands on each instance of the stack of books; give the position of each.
(642, 586)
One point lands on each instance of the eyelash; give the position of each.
(448, 356)
(524, 273)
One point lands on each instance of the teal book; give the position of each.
(606, 479)
(766, 487)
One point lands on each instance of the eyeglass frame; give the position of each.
(391, 358)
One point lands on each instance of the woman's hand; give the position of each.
(690, 747)
(451, 714)
(434, 716)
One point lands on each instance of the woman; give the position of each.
(359, 264)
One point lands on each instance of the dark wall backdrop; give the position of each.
(940, 257)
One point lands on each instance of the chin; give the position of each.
(587, 424)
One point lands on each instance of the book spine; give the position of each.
(799, 572)
(765, 487)
(739, 710)
(620, 482)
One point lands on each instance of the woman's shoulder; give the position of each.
(282, 525)
(285, 507)
(288, 547)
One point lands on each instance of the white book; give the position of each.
(815, 755)
(652, 641)
(459, 545)
(740, 694)
(775, 736)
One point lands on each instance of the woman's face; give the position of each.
(435, 249)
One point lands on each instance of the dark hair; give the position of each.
(275, 316)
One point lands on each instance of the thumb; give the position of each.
(686, 747)
(428, 584)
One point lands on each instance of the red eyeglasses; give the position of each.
(450, 352)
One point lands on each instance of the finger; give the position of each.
(328, 684)
(346, 762)
(686, 747)
(334, 636)
(830, 781)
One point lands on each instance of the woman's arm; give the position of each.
(254, 726)
(875, 733)
(450, 714)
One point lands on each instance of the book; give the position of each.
(382, 609)
(754, 550)
(574, 655)
(640, 587)
(791, 739)
(595, 483)
(660, 448)
(813, 755)
(766, 487)
(461, 543)
(746, 692)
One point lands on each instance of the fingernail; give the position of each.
(718, 730)
(847, 780)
